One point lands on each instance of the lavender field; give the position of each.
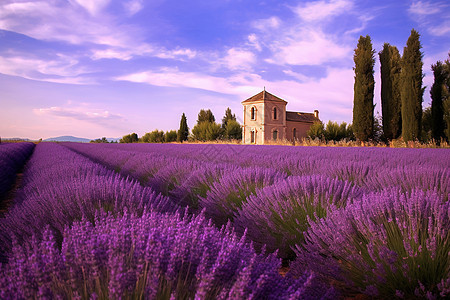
(169, 221)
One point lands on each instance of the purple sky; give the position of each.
(93, 68)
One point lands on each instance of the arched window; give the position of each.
(252, 136)
(253, 113)
(274, 113)
(275, 135)
(294, 133)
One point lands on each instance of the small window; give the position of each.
(274, 113)
(252, 137)
(275, 135)
(294, 133)
(253, 113)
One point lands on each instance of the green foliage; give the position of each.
(129, 138)
(228, 116)
(427, 124)
(97, 141)
(170, 136)
(183, 132)
(390, 61)
(411, 88)
(363, 89)
(233, 130)
(155, 136)
(446, 101)
(316, 131)
(437, 102)
(206, 131)
(337, 132)
(205, 116)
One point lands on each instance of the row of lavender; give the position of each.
(344, 213)
(12, 159)
(78, 229)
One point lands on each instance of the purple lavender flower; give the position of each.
(278, 214)
(228, 194)
(188, 257)
(379, 244)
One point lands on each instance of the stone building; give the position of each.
(266, 119)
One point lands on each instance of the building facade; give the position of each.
(266, 119)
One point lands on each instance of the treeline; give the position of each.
(206, 129)
(401, 94)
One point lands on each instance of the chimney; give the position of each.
(316, 113)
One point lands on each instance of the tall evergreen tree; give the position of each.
(363, 89)
(437, 102)
(411, 88)
(390, 62)
(447, 97)
(183, 132)
(205, 116)
(228, 116)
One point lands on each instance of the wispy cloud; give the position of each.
(62, 69)
(92, 6)
(81, 112)
(439, 23)
(424, 8)
(321, 10)
(311, 47)
(133, 6)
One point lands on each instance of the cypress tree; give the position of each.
(183, 132)
(390, 61)
(411, 88)
(447, 97)
(363, 89)
(437, 104)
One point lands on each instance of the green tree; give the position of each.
(205, 116)
(206, 131)
(437, 102)
(155, 136)
(228, 116)
(332, 132)
(183, 132)
(446, 97)
(233, 130)
(411, 88)
(102, 140)
(363, 89)
(390, 62)
(427, 124)
(129, 138)
(316, 131)
(170, 136)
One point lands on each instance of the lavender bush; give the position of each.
(198, 183)
(12, 158)
(61, 186)
(153, 256)
(228, 194)
(278, 214)
(389, 244)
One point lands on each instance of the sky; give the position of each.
(106, 68)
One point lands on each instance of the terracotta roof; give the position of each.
(263, 96)
(300, 117)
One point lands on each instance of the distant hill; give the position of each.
(67, 138)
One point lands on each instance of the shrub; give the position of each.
(388, 244)
(228, 194)
(278, 214)
(154, 256)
